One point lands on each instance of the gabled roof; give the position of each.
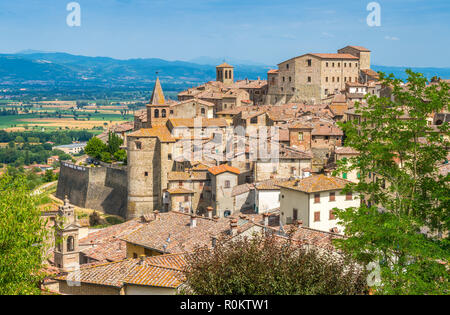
(316, 183)
(162, 271)
(224, 65)
(216, 170)
(158, 94)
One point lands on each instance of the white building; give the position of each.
(312, 200)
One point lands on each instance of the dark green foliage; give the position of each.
(263, 266)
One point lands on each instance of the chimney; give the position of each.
(210, 212)
(193, 221)
(141, 260)
(234, 227)
(266, 219)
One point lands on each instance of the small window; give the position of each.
(326, 79)
(202, 111)
(332, 196)
(169, 156)
(309, 79)
(309, 61)
(227, 184)
(316, 198)
(332, 216)
(163, 113)
(138, 145)
(295, 214)
(300, 136)
(146, 174)
(317, 216)
(70, 244)
(290, 79)
(254, 120)
(349, 196)
(186, 198)
(327, 64)
(135, 255)
(156, 113)
(287, 66)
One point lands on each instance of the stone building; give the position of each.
(315, 76)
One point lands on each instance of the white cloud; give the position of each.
(391, 38)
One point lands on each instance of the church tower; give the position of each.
(158, 107)
(225, 74)
(67, 253)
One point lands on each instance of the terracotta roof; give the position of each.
(324, 129)
(172, 232)
(346, 150)
(316, 183)
(224, 65)
(241, 189)
(159, 131)
(179, 191)
(216, 170)
(271, 184)
(338, 110)
(105, 245)
(161, 271)
(335, 56)
(273, 71)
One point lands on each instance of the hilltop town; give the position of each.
(226, 160)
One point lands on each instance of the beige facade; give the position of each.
(314, 77)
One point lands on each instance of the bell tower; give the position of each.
(67, 253)
(225, 74)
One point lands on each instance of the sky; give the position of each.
(413, 33)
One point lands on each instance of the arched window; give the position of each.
(70, 244)
(163, 113)
(156, 113)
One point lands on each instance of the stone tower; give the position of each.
(144, 173)
(158, 107)
(225, 74)
(358, 51)
(67, 253)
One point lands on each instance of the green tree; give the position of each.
(22, 238)
(404, 215)
(48, 176)
(114, 143)
(95, 147)
(262, 265)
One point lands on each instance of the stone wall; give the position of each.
(101, 188)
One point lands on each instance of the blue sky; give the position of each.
(412, 32)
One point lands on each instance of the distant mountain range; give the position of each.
(44, 69)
